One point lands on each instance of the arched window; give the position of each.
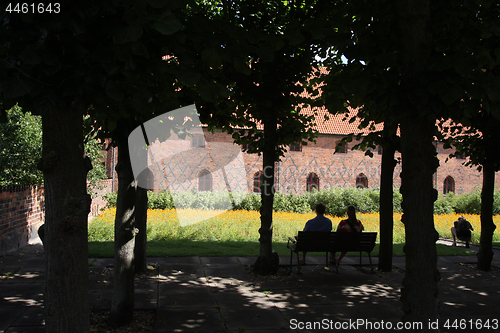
(312, 182)
(198, 142)
(296, 146)
(448, 185)
(361, 181)
(258, 179)
(341, 148)
(205, 181)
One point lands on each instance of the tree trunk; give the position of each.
(67, 206)
(485, 254)
(419, 293)
(266, 262)
(420, 285)
(141, 212)
(122, 305)
(386, 209)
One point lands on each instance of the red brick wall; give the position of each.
(22, 212)
(333, 169)
(98, 203)
(110, 160)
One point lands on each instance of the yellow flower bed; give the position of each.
(244, 225)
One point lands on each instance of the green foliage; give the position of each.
(468, 203)
(251, 201)
(20, 148)
(290, 203)
(111, 199)
(161, 200)
(444, 204)
(397, 199)
(93, 150)
(335, 199)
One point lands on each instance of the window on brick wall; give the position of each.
(296, 146)
(361, 181)
(312, 182)
(448, 185)
(246, 147)
(205, 181)
(341, 148)
(380, 150)
(198, 141)
(146, 179)
(258, 179)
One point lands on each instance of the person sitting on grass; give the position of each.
(461, 230)
(351, 224)
(319, 223)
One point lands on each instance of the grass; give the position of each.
(185, 247)
(235, 233)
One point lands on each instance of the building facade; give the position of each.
(206, 161)
(205, 166)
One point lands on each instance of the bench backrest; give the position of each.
(352, 241)
(313, 241)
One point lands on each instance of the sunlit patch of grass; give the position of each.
(243, 226)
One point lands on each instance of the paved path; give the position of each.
(210, 294)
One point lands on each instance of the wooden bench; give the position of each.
(317, 241)
(353, 242)
(309, 241)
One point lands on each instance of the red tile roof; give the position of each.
(338, 123)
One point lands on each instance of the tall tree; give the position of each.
(47, 71)
(479, 144)
(363, 75)
(74, 60)
(392, 50)
(475, 131)
(257, 52)
(136, 85)
(419, 164)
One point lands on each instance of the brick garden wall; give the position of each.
(22, 212)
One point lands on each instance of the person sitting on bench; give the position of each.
(351, 224)
(319, 223)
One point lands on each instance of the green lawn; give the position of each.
(180, 248)
(235, 233)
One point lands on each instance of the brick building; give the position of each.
(209, 161)
(22, 211)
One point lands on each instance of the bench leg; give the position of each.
(298, 263)
(371, 265)
(291, 258)
(334, 255)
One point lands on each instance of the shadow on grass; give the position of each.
(185, 247)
